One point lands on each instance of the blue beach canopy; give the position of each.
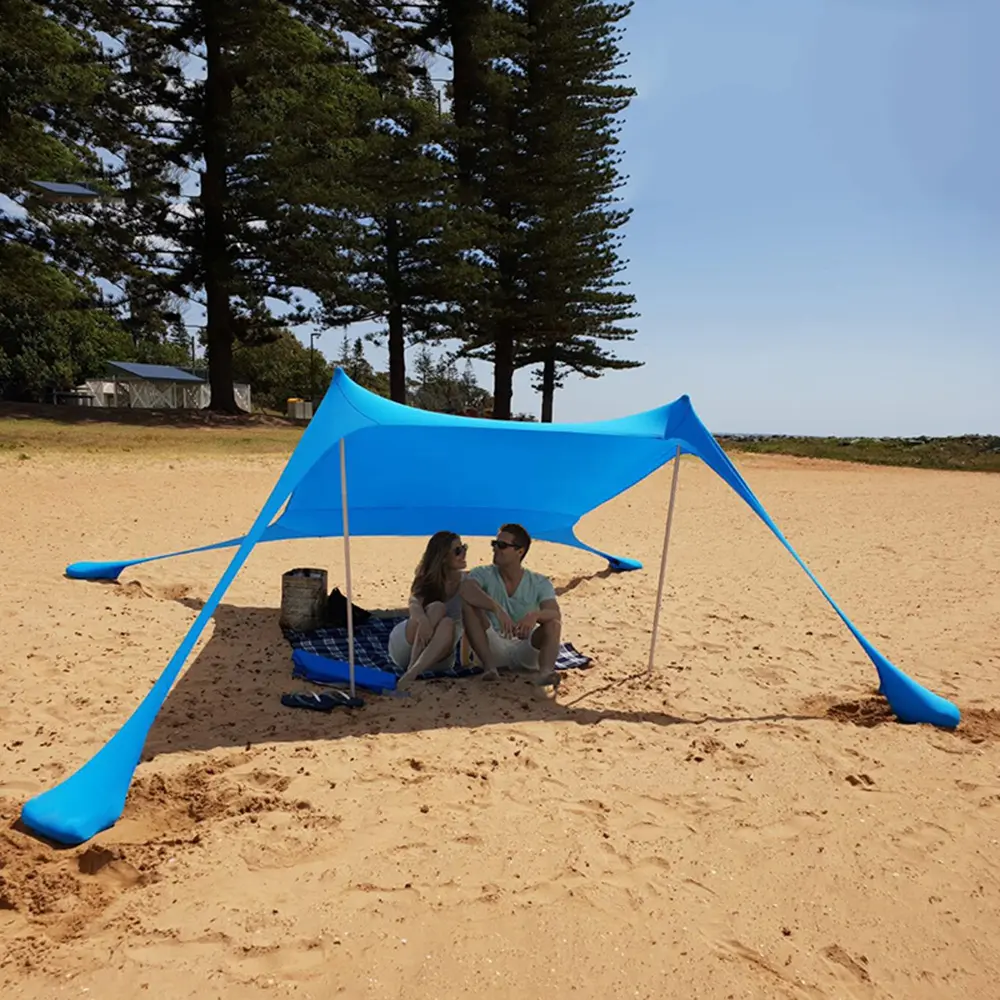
(412, 472)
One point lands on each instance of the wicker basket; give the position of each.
(303, 599)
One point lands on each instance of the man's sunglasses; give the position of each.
(460, 550)
(497, 544)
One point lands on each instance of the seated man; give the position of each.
(510, 613)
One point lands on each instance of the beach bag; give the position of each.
(336, 611)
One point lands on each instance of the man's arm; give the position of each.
(474, 595)
(548, 612)
(548, 606)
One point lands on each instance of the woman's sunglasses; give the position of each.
(460, 550)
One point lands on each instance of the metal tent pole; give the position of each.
(347, 566)
(663, 559)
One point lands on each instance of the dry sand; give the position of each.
(747, 823)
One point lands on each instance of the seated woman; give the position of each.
(426, 640)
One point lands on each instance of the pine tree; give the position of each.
(466, 28)
(270, 128)
(51, 80)
(542, 158)
(574, 94)
(329, 168)
(479, 36)
(405, 251)
(353, 360)
(127, 235)
(437, 385)
(54, 85)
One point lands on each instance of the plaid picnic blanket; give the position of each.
(371, 649)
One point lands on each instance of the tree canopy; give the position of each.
(264, 164)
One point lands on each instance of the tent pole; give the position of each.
(347, 567)
(663, 558)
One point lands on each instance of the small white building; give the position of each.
(155, 387)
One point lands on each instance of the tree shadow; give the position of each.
(230, 697)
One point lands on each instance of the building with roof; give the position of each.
(56, 191)
(155, 387)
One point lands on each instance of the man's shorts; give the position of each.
(516, 654)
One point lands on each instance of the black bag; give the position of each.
(336, 611)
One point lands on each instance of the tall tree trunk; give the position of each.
(503, 374)
(462, 17)
(503, 334)
(218, 308)
(397, 354)
(548, 387)
(397, 333)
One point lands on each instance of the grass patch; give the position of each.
(970, 453)
(36, 430)
(21, 439)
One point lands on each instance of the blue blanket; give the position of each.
(371, 649)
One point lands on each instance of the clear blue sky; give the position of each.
(815, 245)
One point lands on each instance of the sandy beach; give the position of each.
(745, 823)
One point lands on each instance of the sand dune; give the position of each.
(747, 822)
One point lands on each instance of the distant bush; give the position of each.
(971, 453)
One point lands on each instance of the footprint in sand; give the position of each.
(733, 950)
(269, 781)
(293, 960)
(915, 843)
(710, 647)
(134, 588)
(803, 824)
(768, 676)
(107, 864)
(650, 831)
(855, 970)
(279, 850)
(59, 892)
(16, 788)
(862, 781)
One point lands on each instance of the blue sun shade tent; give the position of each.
(412, 472)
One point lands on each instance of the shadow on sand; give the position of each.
(230, 696)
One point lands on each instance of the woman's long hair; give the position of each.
(432, 570)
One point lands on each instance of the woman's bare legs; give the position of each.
(434, 611)
(436, 650)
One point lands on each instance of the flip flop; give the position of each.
(325, 702)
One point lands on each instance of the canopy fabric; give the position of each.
(413, 472)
